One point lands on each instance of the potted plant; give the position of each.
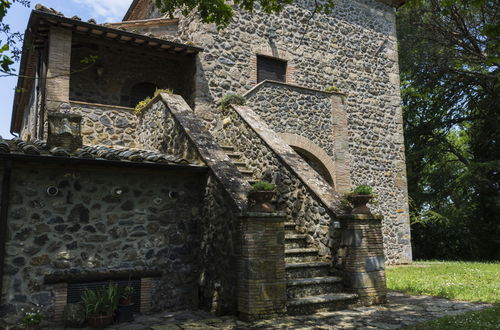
(261, 195)
(31, 320)
(360, 196)
(100, 305)
(125, 305)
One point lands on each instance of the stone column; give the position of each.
(361, 257)
(58, 70)
(261, 266)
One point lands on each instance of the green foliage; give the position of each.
(139, 108)
(332, 89)
(33, 317)
(142, 105)
(126, 291)
(9, 52)
(449, 61)
(263, 186)
(101, 301)
(363, 190)
(471, 281)
(229, 99)
(221, 12)
(485, 319)
(158, 91)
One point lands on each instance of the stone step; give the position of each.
(321, 303)
(246, 173)
(307, 287)
(301, 255)
(228, 148)
(293, 241)
(235, 155)
(290, 225)
(240, 164)
(307, 269)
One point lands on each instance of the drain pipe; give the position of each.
(4, 206)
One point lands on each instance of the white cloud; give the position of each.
(106, 10)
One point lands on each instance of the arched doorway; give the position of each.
(139, 92)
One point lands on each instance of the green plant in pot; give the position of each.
(126, 306)
(261, 195)
(100, 305)
(360, 196)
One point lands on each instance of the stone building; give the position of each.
(161, 195)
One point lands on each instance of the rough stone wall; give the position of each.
(158, 130)
(122, 68)
(353, 49)
(107, 125)
(219, 251)
(288, 109)
(89, 227)
(300, 205)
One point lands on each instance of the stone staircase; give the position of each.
(310, 284)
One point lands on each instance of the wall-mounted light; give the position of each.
(52, 191)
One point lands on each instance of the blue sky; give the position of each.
(17, 17)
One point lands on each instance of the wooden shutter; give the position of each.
(271, 69)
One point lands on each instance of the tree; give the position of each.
(449, 60)
(221, 13)
(9, 52)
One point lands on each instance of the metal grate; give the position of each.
(271, 69)
(75, 291)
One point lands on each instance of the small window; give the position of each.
(271, 69)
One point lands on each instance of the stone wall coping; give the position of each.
(99, 105)
(310, 178)
(361, 217)
(99, 275)
(287, 85)
(209, 150)
(263, 215)
(145, 22)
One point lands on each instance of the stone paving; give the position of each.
(402, 310)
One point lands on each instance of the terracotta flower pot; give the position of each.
(100, 321)
(126, 301)
(359, 203)
(262, 200)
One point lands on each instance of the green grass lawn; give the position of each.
(469, 281)
(485, 319)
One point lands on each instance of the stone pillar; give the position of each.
(58, 70)
(361, 257)
(261, 266)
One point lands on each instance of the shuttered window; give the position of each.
(271, 69)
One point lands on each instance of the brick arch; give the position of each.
(306, 147)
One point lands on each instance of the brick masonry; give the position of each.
(361, 258)
(261, 267)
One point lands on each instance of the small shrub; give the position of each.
(164, 90)
(229, 99)
(263, 186)
(363, 190)
(142, 104)
(332, 89)
(34, 317)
